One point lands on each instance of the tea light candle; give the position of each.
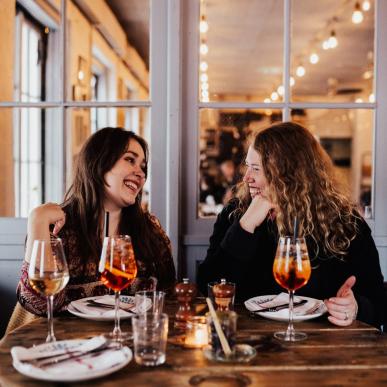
(196, 332)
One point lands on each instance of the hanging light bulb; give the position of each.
(371, 98)
(203, 48)
(357, 16)
(366, 5)
(314, 58)
(204, 77)
(203, 66)
(274, 96)
(300, 72)
(203, 25)
(281, 90)
(292, 81)
(333, 40)
(326, 45)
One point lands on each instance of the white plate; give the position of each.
(98, 365)
(80, 308)
(283, 314)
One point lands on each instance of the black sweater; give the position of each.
(247, 259)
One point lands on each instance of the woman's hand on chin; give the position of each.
(45, 215)
(256, 213)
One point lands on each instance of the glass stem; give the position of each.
(50, 320)
(290, 330)
(117, 329)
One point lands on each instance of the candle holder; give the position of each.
(196, 332)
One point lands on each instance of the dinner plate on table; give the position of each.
(82, 308)
(90, 366)
(309, 310)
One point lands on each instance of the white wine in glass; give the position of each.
(48, 274)
(291, 270)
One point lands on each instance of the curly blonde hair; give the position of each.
(302, 184)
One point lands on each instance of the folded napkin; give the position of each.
(71, 369)
(83, 307)
(283, 298)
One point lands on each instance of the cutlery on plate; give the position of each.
(75, 355)
(280, 307)
(109, 306)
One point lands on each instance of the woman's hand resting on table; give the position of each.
(343, 307)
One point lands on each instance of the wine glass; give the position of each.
(291, 270)
(48, 274)
(118, 270)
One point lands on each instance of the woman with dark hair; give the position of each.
(288, 175)
(110, 174)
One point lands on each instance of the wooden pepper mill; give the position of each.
(185, 294)
(224, 293)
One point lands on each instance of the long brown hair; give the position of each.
(302, 183)
(84, 200)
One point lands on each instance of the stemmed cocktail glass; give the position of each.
(291, 270)
(118, 270)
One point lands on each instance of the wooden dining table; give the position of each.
(331, 356)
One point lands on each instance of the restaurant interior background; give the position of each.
(196, 78)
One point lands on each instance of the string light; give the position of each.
(314, 58)
(371, 98)
(203, 78)
(366, 5)
(203, 66)
(292, 81)
(205, 86)
(267, 100)
(357, 16)
(358, 100)
(281, 90)
(274, 96)
(300, 71)
(333, 40)
(203, 26)
(203, 48)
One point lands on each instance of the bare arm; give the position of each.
(39, 223)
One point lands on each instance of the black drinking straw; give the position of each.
(295, 229)
(106, 224)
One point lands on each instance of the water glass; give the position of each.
(150, 332)
(228, 322)
(149, 301)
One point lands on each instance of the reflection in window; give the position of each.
(224, 139)
(347, 136)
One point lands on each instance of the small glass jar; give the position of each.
(196, 332)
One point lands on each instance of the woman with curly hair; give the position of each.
(110, 175)
(288, 175)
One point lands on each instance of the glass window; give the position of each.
(332, 51)
(241, 47)
(223, 142)
(29, 157)
(347, 136)
(108, 41)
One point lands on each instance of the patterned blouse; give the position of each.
(85, 278)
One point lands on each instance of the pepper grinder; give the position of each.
(224, 293)
(185, 294)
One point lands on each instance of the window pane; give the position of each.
(223, 143)
(31, 164)
(30, 35)
(108, 44)
(84, 122)
(347, 136)
(332, 58)
(241, 51)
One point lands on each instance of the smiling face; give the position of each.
(254, 176)
(126, 179)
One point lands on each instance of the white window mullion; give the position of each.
(286, 60)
